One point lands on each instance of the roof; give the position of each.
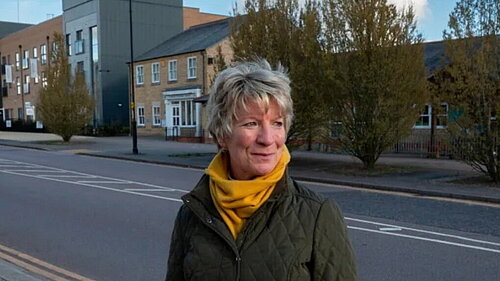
(196, 38)
(434, 56)
(7, 28)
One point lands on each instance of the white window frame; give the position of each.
(443, 115)
(176, 115)
(139, 75)
(156, 114)
(141, 118)
(18, 85)
(43, 54)
(155, 73)
(172, 70)
(191, 67)
(26, 85)
(187, 113)
(426, 113)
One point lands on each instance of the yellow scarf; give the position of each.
(237, 200)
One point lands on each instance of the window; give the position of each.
(68, 44)
(140, 116)
(35, 52)
(26, 55)
(79, 42)
(172, 70)
(94, 41)
(55, 47)
(5, 91)
(188, 113)
(424, 121)
(175, 113)
(139, 75)
(18, 61)
(8, 113)
(191, 67)
(26, 85)
(79, 67)
(156, 115)
(43, 54)
(20, 113)
(44, 79)
(442, 116)
(155, 72)
(18, 84)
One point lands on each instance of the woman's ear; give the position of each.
(222, 144)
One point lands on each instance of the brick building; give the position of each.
(172, 81)
(98, 45)
(24, 55)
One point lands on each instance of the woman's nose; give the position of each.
(265, 136)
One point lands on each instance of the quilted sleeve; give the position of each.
(333, 256)
(175, 266)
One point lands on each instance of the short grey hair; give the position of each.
(252, 81)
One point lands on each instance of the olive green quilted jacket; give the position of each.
(296, 235)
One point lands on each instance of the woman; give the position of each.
(247, 219)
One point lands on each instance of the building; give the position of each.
(98, 39)
(24, 53)
(97, 35)
(193, 16)
(172, 80)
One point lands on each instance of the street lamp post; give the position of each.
(133, 129)
(22, 78)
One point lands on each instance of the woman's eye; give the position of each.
(250, 124)
(278, 124)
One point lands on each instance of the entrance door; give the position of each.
(175, 118)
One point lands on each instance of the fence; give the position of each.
(183, 134)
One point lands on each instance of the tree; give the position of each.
(471, 83)
(265, 30)
(64, 104)
(377, 74)
(281, 32)
(219, 64)
(307, 71)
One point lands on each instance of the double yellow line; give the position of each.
(39, 267)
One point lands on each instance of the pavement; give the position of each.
(400, 173)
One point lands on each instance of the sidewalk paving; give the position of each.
(426, 177)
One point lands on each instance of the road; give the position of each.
(84, 218)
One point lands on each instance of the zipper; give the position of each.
(208, 221)
(238, 267)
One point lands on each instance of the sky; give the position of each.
(432, 15)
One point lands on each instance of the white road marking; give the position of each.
(390, 229)
(424, 231)
(385, 229)
(69, 176)
(113, 182)
(146, 189)
(426, 239)
(99, 183)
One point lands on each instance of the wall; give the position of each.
(30, 37)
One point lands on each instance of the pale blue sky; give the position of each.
(433, 14)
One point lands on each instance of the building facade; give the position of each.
(24, 55)
(98, 37)
(172, 81)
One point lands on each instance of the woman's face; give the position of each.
(256, 142)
